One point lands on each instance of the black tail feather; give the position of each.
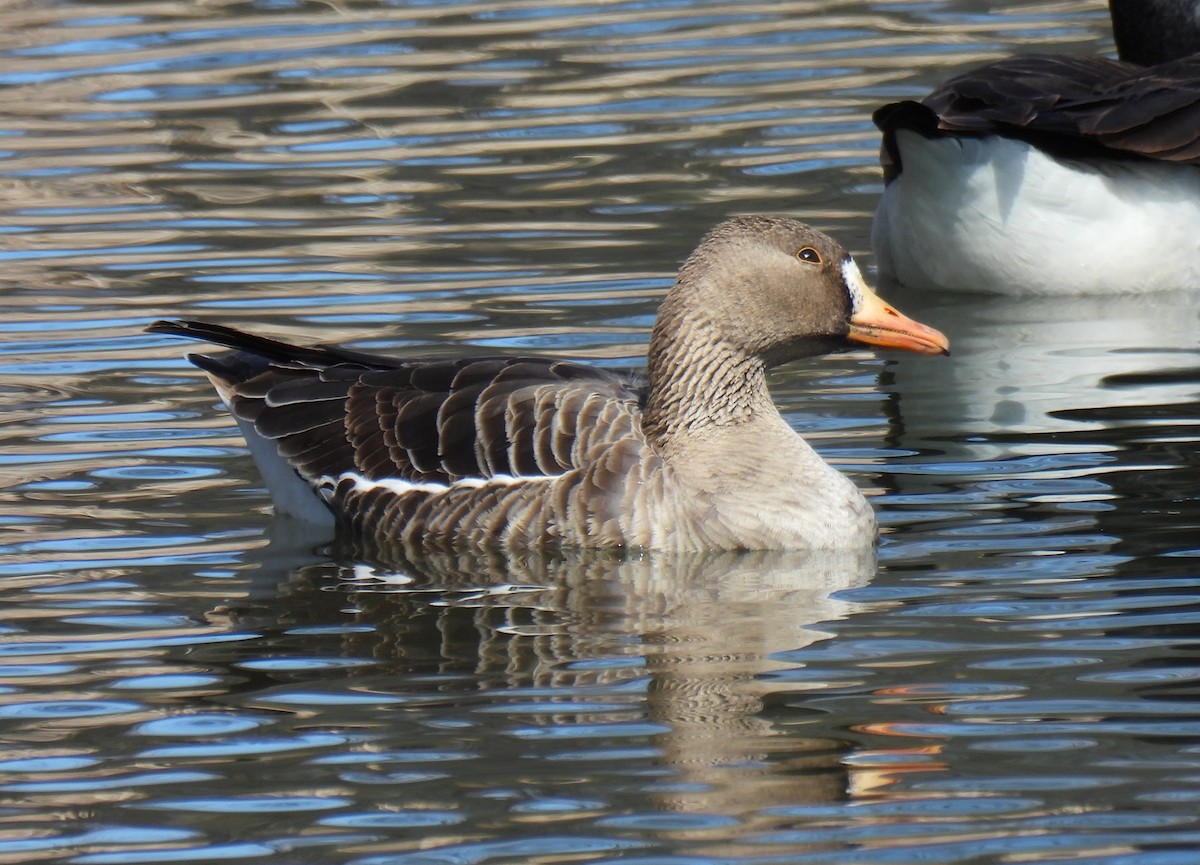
(271, 350)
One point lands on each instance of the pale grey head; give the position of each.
(773, 287)
(760, 291)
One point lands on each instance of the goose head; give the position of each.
(776, 290)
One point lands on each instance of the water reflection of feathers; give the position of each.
(1023, 365)
(669, 604)
(700, 632)
(1068, 403)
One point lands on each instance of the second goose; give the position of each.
(1047, 174)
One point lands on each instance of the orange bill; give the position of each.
(877, 323)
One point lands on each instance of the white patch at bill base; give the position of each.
(856, 286)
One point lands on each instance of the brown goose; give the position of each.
(1047, 174)
(515, 452)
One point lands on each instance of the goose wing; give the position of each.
(329, 412)
(1068, 106)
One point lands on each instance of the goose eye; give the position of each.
(810, 255)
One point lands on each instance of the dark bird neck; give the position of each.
(1149, 32)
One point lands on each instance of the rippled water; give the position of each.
(1016, 680)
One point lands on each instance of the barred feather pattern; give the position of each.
(492, 451)
(558, 465)
(514, 452)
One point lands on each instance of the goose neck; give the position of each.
(700, 382)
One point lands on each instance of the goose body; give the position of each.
(533, 452)
(1046, 174)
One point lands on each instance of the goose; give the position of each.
(1046, 174)
(528, 452)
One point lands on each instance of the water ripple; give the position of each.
(1013, 681)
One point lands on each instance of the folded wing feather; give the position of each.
(330, 415)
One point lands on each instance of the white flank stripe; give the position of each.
(399, 486)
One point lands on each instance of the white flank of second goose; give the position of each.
(1047, 174)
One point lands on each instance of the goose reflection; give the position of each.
(1066, 403)
(1020, 365)
(699, 632)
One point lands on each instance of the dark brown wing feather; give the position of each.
(332, 411)
(1071, 107)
